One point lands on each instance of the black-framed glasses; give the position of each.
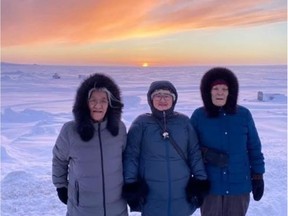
(164, 96)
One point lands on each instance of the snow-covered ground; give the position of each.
(34, 105)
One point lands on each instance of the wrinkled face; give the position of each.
(98, 105)
(219, 94)
(162, 101)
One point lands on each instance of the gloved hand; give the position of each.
(257, 186)
(196, 190)
(135, 194)
(63, 194)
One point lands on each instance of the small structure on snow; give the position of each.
(260, 96)
(56, 76)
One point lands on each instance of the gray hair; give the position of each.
(110, 96)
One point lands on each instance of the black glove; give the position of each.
(257, 186)
(196, 190)
(63, 194)
(135, 194)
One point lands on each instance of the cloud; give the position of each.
(87, 21)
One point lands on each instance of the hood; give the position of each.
(81, 111)
(208, 79)
(157, 85)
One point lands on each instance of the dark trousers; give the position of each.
(225, 205)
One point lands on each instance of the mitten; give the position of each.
(135, 194)
(196, 190)
(63, 194)
(257, 186)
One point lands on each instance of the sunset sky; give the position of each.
(155, 32)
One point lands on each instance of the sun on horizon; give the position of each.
(145, 64)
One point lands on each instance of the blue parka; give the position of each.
(230, 129)
(237, 136)
(152, 158)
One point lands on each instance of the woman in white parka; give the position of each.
(87, 156)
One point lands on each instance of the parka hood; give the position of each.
(223, 75)
(165, 85)
(81, 112)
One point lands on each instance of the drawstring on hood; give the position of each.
(163, 85)
(223, 76)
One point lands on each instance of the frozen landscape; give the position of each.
(34, 106)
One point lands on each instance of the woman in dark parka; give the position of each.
(87, 156)
(158, 181)
(230, 145)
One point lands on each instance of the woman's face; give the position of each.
(162, 101)
(219, 94)
(98, 105)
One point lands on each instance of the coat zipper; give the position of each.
(102, 170)
(168, 166)
(77, 192)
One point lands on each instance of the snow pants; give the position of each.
(217, 205)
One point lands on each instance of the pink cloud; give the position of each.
(74, 21)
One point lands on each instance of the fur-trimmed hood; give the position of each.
(81, 112)
(228, 77)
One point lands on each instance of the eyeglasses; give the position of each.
(160, 96)
(93, 102)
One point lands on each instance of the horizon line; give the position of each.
(139, 66)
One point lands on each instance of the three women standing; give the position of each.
(163, 171)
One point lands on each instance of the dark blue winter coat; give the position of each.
(151, 157)
(236, 135)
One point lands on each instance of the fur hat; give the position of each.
(161, 85)
(81, 110)
(223, 76)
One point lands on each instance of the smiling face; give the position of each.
(162, 100)
(219, 94)
(98, 105)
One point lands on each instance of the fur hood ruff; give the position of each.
(81, 112)
(228, 77)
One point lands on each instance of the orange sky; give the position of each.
(129, 32)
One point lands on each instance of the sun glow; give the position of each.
(145, 64)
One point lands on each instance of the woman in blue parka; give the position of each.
(230, 145)
(158, 180)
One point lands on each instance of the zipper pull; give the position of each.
(165, 133)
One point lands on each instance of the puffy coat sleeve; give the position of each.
(254, 147)
(194, 120)
(60, 159)
(132, 152)
(194, 155)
